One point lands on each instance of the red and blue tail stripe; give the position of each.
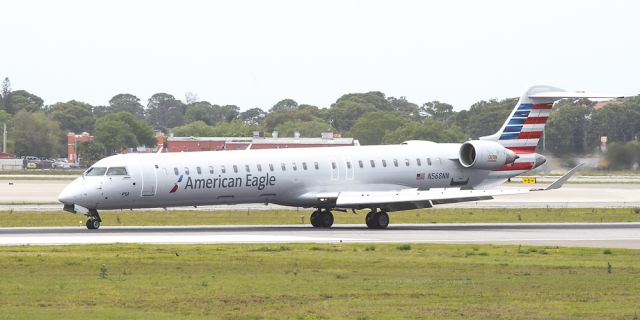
(523, 129)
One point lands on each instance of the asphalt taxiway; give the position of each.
(600, 235)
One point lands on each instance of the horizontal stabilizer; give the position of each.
(569, 94)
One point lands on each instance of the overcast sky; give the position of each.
(255, 53)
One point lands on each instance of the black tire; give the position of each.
(93, 224)
(370, 220)
(315, 219)
(382, 220)
(326, 219)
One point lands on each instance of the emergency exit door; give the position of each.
(149, 180)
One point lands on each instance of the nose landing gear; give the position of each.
(94, 220)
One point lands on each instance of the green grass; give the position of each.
(317, 281)
(197, 217)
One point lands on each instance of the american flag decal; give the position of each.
(420, 176)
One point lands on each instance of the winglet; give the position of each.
(558, 183)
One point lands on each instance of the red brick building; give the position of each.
(72, 144)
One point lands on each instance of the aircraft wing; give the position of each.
(413, 198)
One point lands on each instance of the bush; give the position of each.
(623, 155)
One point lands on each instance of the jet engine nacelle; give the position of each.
(486, 155)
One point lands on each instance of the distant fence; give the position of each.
(10, 164)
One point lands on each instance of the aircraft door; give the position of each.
(149, 180)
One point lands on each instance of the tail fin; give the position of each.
(523, 128)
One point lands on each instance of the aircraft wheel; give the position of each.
(369, 220)
(382, 220)
(326, 219)
(315, 219)
(93, 224)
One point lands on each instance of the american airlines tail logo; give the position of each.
(175, 185)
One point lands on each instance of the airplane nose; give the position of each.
(67, 196)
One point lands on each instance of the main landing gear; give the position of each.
(322, 218)
(94, 219)
(377, 220)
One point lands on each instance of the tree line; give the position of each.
(574, 127)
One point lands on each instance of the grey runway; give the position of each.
(600, 235)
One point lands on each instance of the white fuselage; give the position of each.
(294, 177)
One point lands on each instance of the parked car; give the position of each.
(60, 164)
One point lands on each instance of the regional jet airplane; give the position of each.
(383, 178)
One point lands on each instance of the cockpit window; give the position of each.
(95, 171)
(117, 171)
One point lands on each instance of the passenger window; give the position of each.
(395, 162)
(117, 171)
(348, 165)
(406, 162)
(333, 165)
(259, 167)
(186, 170)
(271, 167)
(360, 164)
(294, 166)
(429, 161)
(199, 170)
(235, 168)
(96, 171)
(384, 163)
(418, 162)
(175, 170)
(315, 165)
(211, 169)
(246, 168)
(223, 169)
(283, 166)
(373, 163)
(304, 166)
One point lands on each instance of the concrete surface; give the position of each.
(600, 235)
